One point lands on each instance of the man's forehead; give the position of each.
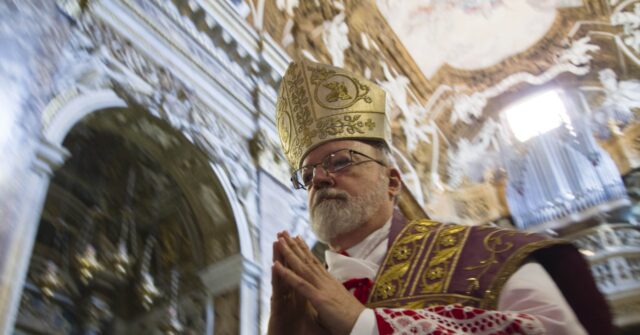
(325, 149)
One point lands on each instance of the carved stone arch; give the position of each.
(236, 260)
(117, 65)
(59, 121)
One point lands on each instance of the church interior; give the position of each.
(143, 182)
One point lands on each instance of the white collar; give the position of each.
(364, 248)
(364, 258)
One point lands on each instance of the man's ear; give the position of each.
(395, 182)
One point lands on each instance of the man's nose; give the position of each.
(321, 178)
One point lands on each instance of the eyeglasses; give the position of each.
(334, 162)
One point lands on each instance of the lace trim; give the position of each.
(455, 320)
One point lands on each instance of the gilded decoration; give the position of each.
(319, 103)
(401, 253)
(362, 17)
(374, 50)
(443, 260)
(432, 263)
(535, 60)
(347, 123)
(332, 89)
(508, 267)
(494, 244)
(402, 257)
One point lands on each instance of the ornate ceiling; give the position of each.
(451, 66)
(469, 35)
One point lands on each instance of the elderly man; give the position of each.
(385, 275)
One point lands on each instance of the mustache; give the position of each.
(325, 194)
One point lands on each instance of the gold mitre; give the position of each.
(318, 103)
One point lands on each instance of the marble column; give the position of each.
(32, 33)
(23, 197)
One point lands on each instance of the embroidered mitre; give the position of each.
(318, 103)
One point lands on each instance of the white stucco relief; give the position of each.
(287, 5)
(471, 159)
(456, 31)
(397, 87)
(335, 34)
(619, 99)
(575, 59)
(628, 17)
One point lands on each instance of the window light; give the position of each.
(536, 115)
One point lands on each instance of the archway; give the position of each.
(133, 178)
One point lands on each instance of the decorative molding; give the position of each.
(239, 34)
(607, 239)
(214, 78)
(410, 176)
(64, 111)
(275, 57)
(49, 156)
(472, 159)
(268, 154)
(627, 15)
(616, 109)
(335, 34)
(73, 8)
(614, 253)
(624, 148)
(245, 231)
(54, 106)
(203, 40)
(575, 59)
(535, 60)
(141, 82)
(227, 274)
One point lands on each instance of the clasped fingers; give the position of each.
(297, 257)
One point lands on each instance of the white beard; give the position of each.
(342, 213)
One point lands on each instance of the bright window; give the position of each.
(536, 115)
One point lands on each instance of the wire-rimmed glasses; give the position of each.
(333, 162)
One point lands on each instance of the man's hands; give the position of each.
(290, 311)
(298, 275)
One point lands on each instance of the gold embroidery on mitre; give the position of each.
(318, 103)
(338, 91)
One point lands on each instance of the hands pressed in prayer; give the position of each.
(290, 312)
(298, 273)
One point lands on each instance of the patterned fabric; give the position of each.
(430, 263)
(455, 320)
(484, 258)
